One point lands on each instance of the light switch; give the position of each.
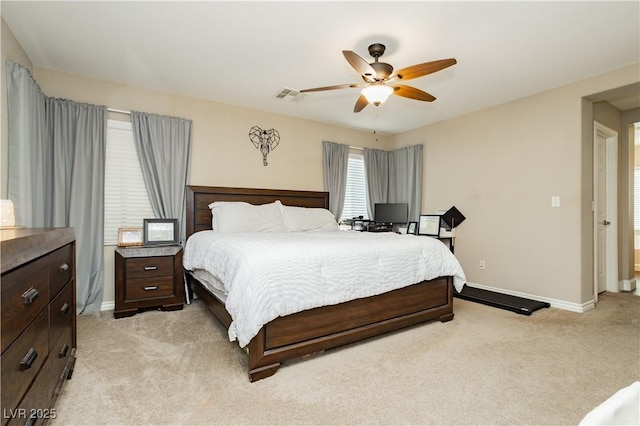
(555, 201)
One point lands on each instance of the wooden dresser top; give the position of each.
(21, 245)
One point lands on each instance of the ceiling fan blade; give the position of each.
(359, 64)
(337, 86)
(420, 70)
(360, 104)
(412, 93)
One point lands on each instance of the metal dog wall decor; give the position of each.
(264, 140)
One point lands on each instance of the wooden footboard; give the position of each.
(327, 327)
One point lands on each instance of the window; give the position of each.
(355, 201)
(126, 201)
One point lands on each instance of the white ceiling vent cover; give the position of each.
(289, 95)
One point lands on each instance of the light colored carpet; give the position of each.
(487, 366)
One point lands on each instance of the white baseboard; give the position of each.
(109, 305)
(555, 303)
(627, 285)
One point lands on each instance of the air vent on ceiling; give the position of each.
(289, 94)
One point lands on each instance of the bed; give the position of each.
(317, 329)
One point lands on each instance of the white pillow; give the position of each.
(230, 217)
(298, 219)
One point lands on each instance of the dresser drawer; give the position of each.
(143, 267)
(25, 293)
(142, 288)
(59, 356)
(61, 313)
(35, 403)
(60, 268)
(21, 362)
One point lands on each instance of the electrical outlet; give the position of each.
(483, 264)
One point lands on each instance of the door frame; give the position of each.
(611, 177)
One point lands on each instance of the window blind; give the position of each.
(126, 201)
(355, 202)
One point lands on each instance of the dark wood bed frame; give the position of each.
(321, 328)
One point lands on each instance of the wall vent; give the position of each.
(289, 95)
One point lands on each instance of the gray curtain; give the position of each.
(376, 169)
(68, 190)
(395, 177)
(335, 160)
(164, 145)
(29, 151)
(405, 179)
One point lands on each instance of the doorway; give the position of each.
(605, 211)
(636, 204)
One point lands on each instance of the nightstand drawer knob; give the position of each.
(63, 267)
(150, 268)
(28, 359)
(151, 287)
(29, 296)
(63, 351)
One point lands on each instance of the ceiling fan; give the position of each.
(376, 75)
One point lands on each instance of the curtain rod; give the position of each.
(119, 111)
(356, 148)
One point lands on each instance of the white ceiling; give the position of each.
(243, 53)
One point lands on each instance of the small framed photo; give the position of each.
(429, 225)
(412, 227)
(160, 231)
(128, 237)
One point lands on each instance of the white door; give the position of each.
(605, 210)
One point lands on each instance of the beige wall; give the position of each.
(222, 153)
(500, 167)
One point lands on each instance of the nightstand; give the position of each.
(148, 277)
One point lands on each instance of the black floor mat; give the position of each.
(515, 304)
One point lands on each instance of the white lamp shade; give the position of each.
(377, 93)
(7, 217)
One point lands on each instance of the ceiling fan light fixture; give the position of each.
(377, 93)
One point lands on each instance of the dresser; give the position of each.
(38, 316)
(148, 277)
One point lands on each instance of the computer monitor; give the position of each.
(391, 213)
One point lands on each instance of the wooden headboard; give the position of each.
(199, 198)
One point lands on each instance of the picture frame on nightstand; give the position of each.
(429, 225)
(160, 231)
(129, 237)
(412, 227)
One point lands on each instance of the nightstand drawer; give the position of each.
(60, 268)
(22, 361)
(25, 292)
(148, 277)
(144, 267)
(142, 288)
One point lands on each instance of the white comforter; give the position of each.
(267, 275)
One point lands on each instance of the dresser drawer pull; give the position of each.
(151, 287)
(63, 267)
(63, 351)
(29, 296)
(150, 268)
(65, 309)
(28, 359)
